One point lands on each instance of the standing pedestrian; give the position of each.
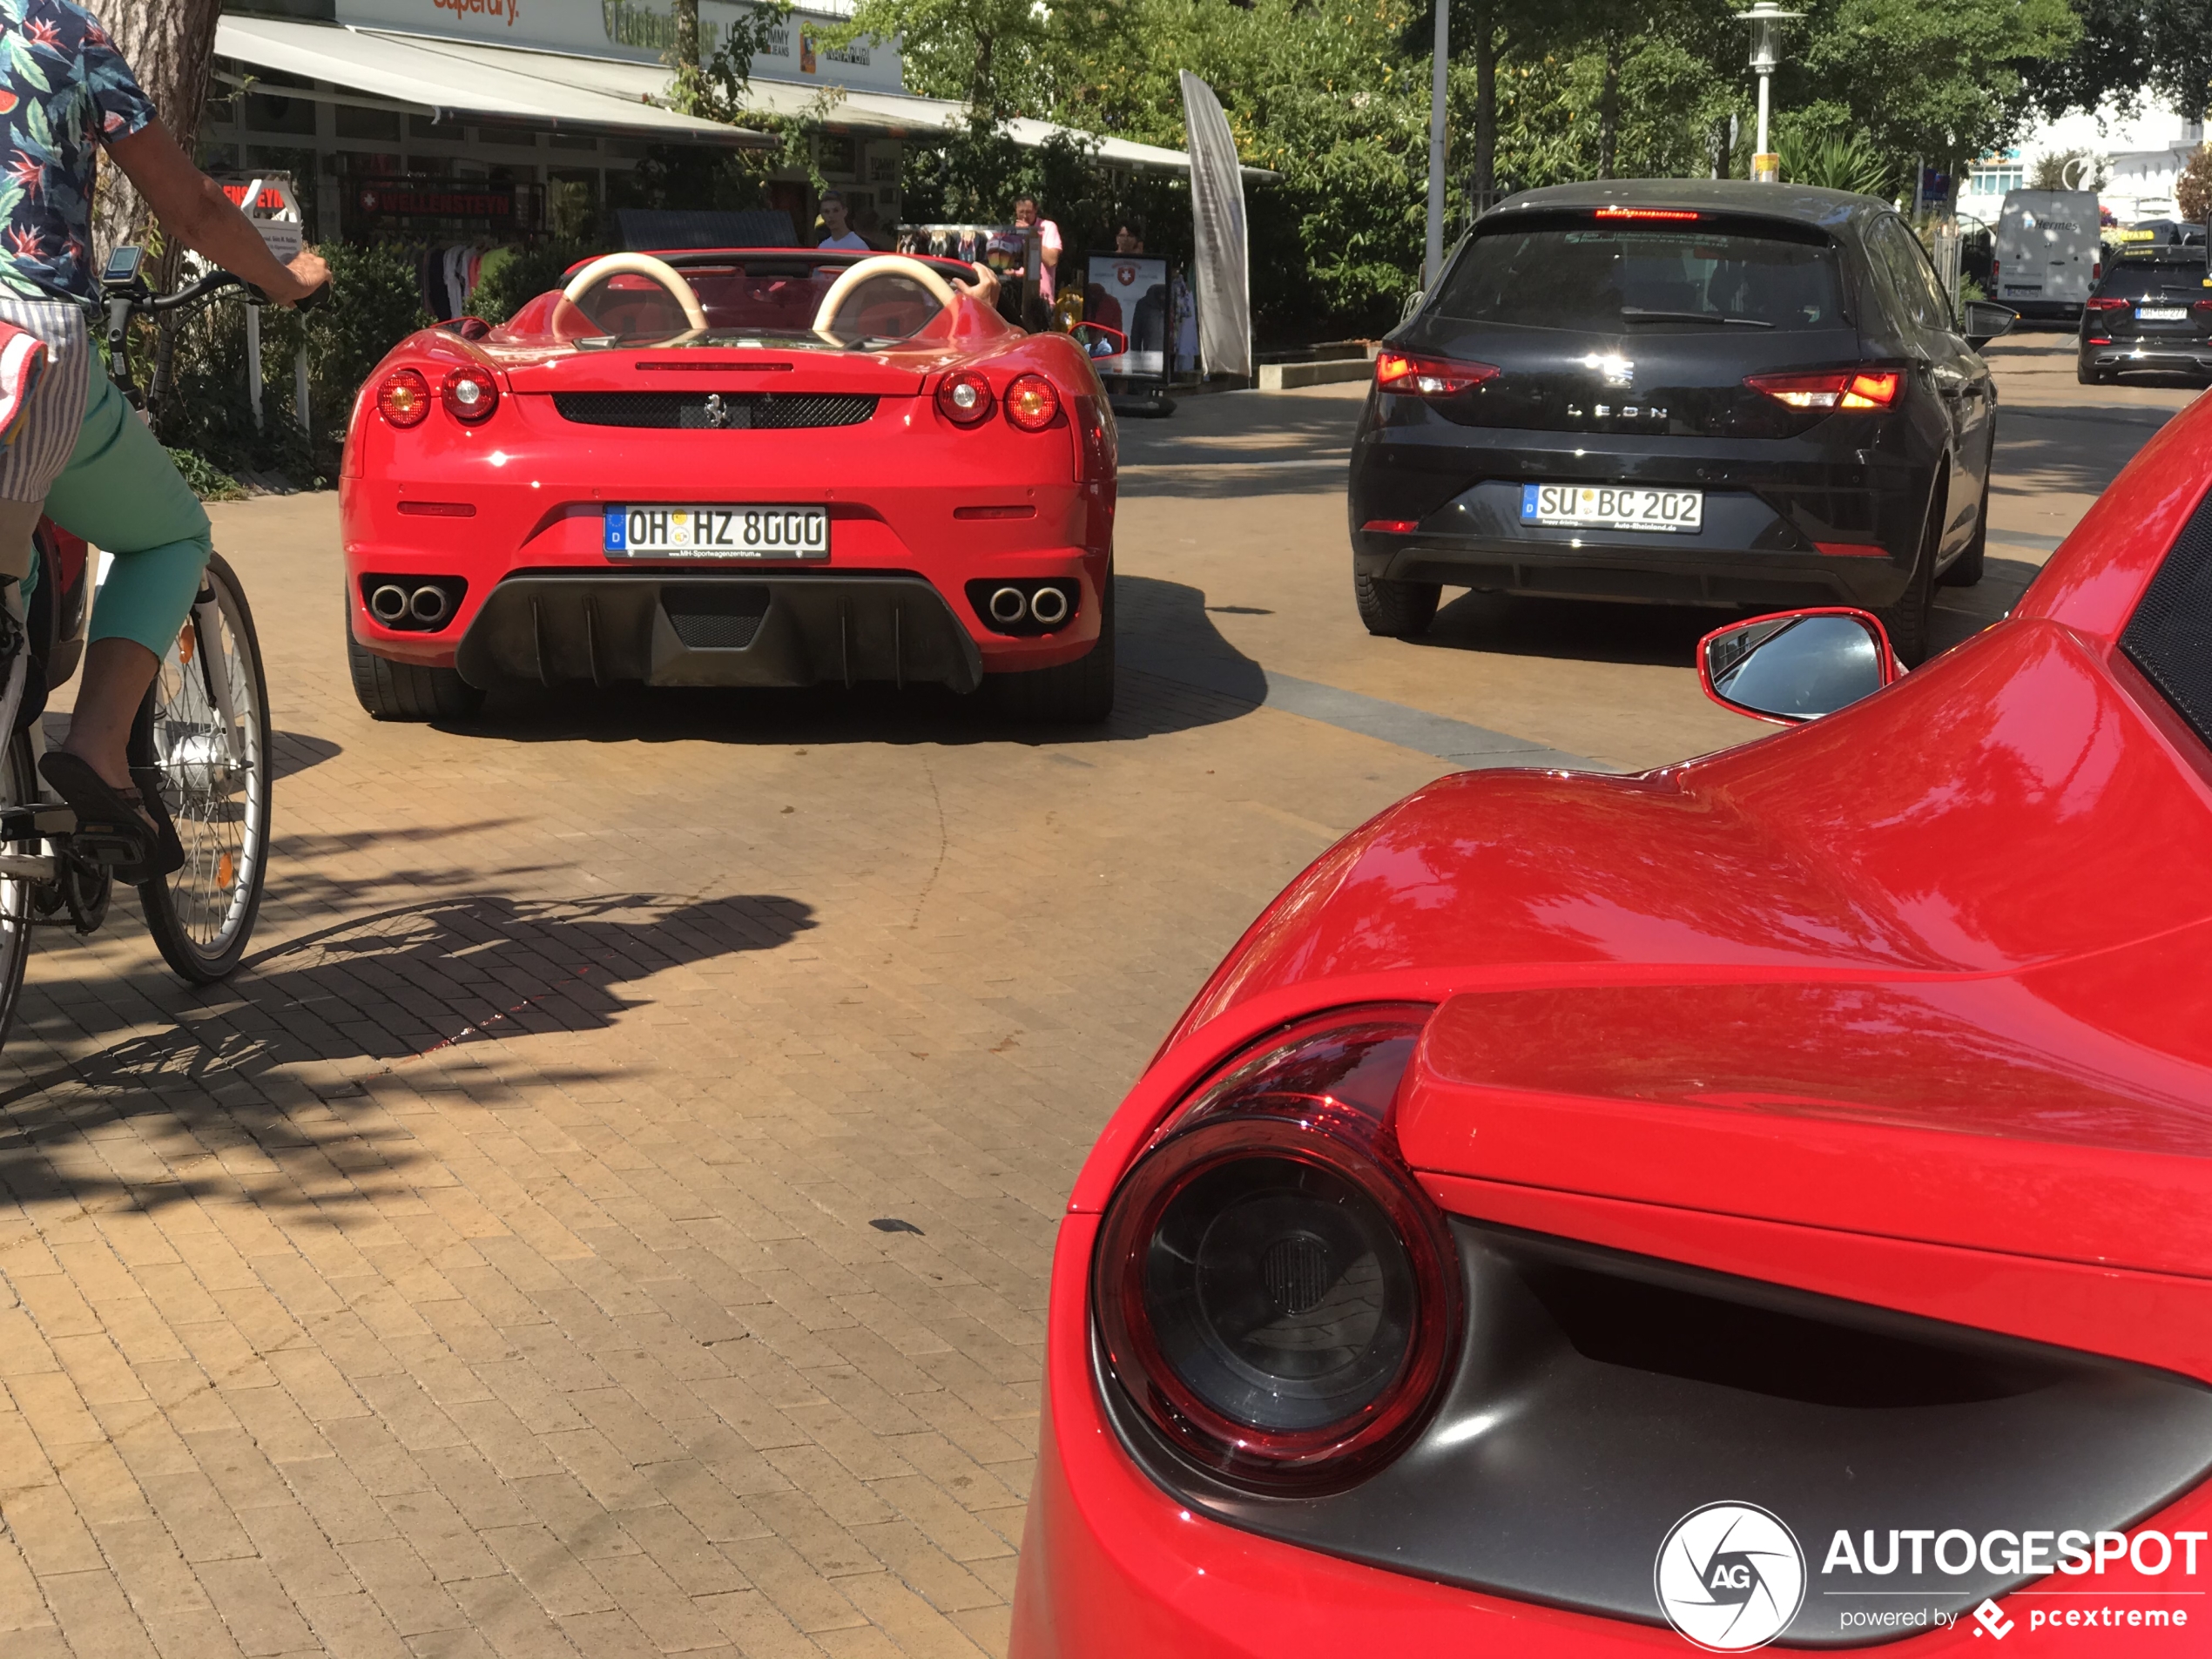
(1026, 215)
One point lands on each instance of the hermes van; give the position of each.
(2047, 256)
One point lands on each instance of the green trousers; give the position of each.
(121, 492)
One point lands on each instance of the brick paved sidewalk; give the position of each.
(610, 1214)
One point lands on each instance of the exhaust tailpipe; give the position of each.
(1009, 606)
(388, 603)
(1050, 606)
(428, 606)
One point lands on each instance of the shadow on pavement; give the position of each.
(1160, 626)
(246, 1067)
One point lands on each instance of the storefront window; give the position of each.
(367, 124)
(572, 203)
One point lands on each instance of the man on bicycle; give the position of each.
(81, 455)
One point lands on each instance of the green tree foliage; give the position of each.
(1839, 163)
(2125, 47)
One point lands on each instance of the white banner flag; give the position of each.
(1224, 256)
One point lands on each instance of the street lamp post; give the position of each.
(1766, 20)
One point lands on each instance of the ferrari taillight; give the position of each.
(965, 399)
(1031, 404)
(1842, 388)
(1403, 372)
(469, 395)
(1273, 1290)
(404, 398)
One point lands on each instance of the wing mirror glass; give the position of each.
(1985, 321)
(1099, 340)
(1796, 665)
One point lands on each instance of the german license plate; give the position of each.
(743, 532)
(1612, 507)
(2162, 314)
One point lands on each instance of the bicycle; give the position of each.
(201, 737)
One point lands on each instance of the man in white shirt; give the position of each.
(1025, 214)
(842, 234)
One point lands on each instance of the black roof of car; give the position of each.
(1805, 204)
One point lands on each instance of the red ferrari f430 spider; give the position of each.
(742, 468)
(1765, 1199)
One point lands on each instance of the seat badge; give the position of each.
(1615, 368)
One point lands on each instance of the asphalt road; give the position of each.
(611, 1212)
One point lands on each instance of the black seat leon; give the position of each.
(1678, 391)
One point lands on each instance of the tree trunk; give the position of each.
(685, 15)
(1608, 109)
(1485, 111)
(1721, 140)
(169, 45)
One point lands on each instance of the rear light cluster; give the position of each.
(1677, 213)
(1030, 401)
(1842, 388)
(469, 395)
(1274, 1292)
(1404, 373)
(2107, 305)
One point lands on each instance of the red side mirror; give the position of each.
(1797, 666)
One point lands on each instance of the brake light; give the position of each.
(404, 398)
(1413, 376)
(2200, 304)
(2096, 269)
(1031, 404)
(1843, 389)
(965, 399)
(1645, 213)
(470, 395)
(1393, 526)
(1274, 1292)
(2108, 304)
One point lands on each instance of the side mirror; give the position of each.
(1796, 665)
(1985, 321)
(1099, 340)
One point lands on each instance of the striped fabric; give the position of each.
(55, 410)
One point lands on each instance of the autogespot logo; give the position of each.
(1729, 1576)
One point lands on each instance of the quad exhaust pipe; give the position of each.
(1009, 606)
(428, 606)
(1048, 606)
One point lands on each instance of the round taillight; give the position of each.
(469, 395)
(965, 399)
(1273, 1290)
(404, 398)
(1031, 404)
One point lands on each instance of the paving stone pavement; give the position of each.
(611, 1212)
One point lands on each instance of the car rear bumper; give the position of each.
(717, 628)
(2145, 356)
(1637, 573)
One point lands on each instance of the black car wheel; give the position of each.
(1966, 570)
(1911, 621)
(2089, 375)
(1078, 693)
(392, 691)
(1396, 610)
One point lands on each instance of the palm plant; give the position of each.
(1840, 161)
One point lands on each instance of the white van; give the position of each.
(2048, 254)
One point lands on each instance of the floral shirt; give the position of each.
(64, 90)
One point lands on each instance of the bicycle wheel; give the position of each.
(18, 787)
(213, 770)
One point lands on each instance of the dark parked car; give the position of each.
(2152, 312)
(1713, 393)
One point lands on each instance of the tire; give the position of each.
(2087, 375)
(392, 691)
(1078, 693)
(18, 787)
(1910, 622)
(215, 776)
(1396, 610)
(1966, 570)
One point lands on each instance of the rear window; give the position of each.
(1595, 276)
(2134, 279)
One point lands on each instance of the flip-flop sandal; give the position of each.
(116, 827)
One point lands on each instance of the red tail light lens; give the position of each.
(1678, 213)
(469, 395)
(1843, 389)
(965, 400)
(2107, 305)
(404, 398)
(1273, 1290)
(1031, 404)
(1416, 376)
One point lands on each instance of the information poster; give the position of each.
(1130, 292)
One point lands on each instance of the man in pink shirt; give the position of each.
(1025, 214)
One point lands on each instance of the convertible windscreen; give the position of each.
(1601, 278)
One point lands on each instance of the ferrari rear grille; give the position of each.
(722, 618)
(708, 411)
(2165, 637)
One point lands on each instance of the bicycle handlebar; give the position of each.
(214, 283)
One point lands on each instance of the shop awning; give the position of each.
(453, 81)
(464, 80)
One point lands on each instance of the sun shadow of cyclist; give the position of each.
(311, 1021)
